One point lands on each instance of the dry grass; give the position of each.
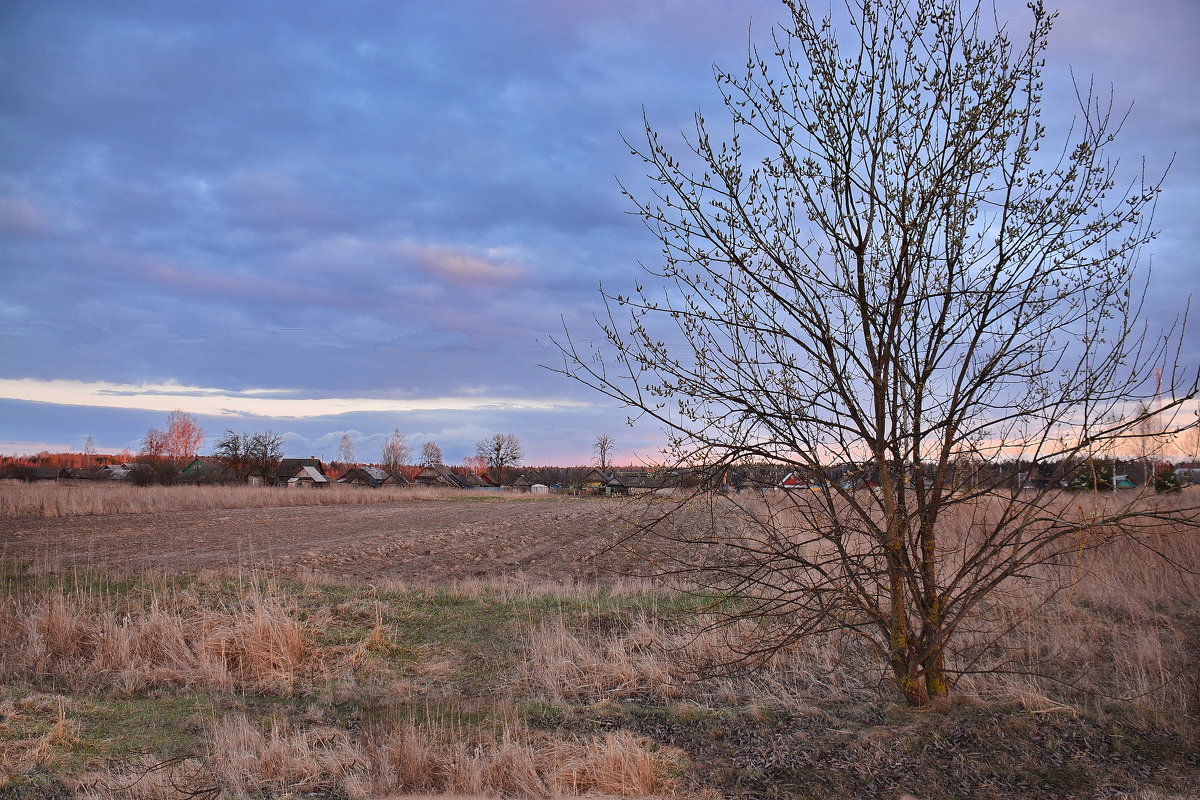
(1123, 630)
(33, 731)
(278, 760)
(1120, 629)
(54, 500)
(691, 661)
(174, 640)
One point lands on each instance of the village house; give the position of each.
(475, 480)
(526, 480)
(439, 475)
(301, 473)
(794, 481)
(371, 476)
(206, 469)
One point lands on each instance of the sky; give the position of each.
(325, 217)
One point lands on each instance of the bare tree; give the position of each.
(431, 454)
(887, 273)
(89, 447)
(154, 443)
(264, 451)
(182, 438)
(395, 452)
(346, 449)
(248, 454)
(603, 446)
(498, 451)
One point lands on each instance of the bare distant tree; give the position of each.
(154, 443)
(395, 452)
(247, 454)
(603, 446)
(182, 438)
(346, 449)
(886, 273)
(264, 451)
(89, 447)
(431, 454)
(498, 451)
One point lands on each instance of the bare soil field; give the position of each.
(556, 538)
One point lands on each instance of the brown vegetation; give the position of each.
(512, 685)
(57, 500)
(245, 759)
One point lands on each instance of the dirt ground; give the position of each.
(559, 538)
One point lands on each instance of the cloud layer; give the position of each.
(382, 201)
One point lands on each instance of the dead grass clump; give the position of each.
(33, 732)
(174, 641)
(516, 762)
(619, 763)
(146, 778)
(435, 759)
(251, 761)
(520, 587)
(700, 660)
(1115, 626)
(564, 665)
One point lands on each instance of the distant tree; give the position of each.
(232, 450)
(603, 446)
(431, 454)
(154, 443)
(395, 452)
(1166, 480)
(265, 451)
(182, 438)
(475, 463)
(346, 449)
(498, 451)
(89, 446)
(1095, 475)
(248, 454)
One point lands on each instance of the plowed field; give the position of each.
(428, 540)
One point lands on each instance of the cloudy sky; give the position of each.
(330, 217)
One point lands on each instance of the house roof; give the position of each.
(476, 480)
(440, 473)
(289, 466)
(595, 476)
(375, 476)
(527, 479)
(308, 472)
(47, 473)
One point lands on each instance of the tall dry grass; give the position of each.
(692, 661)
(1120, 628)
(1115, 627)
(174, 640)
(277, 759)
(55, 500)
